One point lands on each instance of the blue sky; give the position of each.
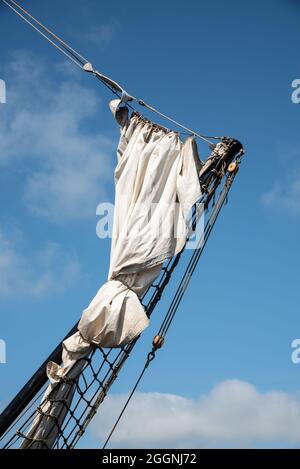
(223, 68)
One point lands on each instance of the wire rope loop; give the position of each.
(150, 357)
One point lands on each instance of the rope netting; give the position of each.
(80, 397)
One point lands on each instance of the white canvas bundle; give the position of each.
(156, 184)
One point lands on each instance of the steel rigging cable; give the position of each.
(85, 65)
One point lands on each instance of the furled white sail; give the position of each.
(156, 184)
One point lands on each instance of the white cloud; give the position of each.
(285, 195)
(102, 34)
(39, 273)
(46, 125)
(233, 414)
(285, 192)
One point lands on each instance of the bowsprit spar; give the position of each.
(84, 394)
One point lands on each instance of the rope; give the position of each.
(192, 264)
(150, 357)
(78, 418)
(180, 290)
(80, 61)
(54, 36)
(76, 62)
(203, 137)
(23, 412)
